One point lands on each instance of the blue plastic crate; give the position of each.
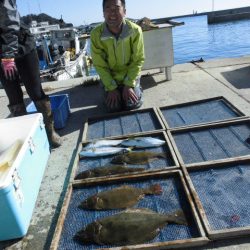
(60, 109)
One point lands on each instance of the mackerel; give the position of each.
(102, 151)
(102, 143)
(142, 142)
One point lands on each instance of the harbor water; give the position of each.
(196, 39)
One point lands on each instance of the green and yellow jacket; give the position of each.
(117, 61)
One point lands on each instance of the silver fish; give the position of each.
(103, 143)
(142, 142)
(133, 226)
(102, 151)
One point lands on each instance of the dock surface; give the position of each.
(229, 78)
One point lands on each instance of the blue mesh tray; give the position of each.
(212, 142)
(199, 112)
(123, 123)
(222, 195)
(170, 162)
(175, 196)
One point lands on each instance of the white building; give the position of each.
(42, 27)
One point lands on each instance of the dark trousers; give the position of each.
(127, 105)
(29, 75)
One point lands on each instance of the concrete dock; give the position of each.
(225, 77)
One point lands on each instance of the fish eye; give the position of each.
(84, 204)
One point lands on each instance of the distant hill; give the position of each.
(44, 18)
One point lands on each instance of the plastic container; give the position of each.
(60, 109)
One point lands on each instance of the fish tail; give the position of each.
(177, 217)
(161, 155)
(83, 175)
(154, 189)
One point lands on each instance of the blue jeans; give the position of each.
(127, 105)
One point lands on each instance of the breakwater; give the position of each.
(213, 16)
(228, 15)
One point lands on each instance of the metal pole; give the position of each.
(39, 7)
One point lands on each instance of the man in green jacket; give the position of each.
(117, 51)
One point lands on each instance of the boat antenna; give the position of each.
(29, 13)
(39, 6)
(212, 5)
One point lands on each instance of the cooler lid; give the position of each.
(7, 158)
(15, 134)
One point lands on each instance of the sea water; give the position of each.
(196, 39)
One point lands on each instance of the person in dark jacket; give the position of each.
(19, 63)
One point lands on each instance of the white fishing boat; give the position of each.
(61, 52)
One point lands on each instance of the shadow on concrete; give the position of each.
(148, 81)
(85, 101)
(239, 78)
(83, 96)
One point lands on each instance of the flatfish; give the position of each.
(133, 226)
(142, 142)
(102, 151)
(121, 197)
(137, 157)
(107, 171)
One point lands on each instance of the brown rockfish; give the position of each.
(133, 226)
(107, 171)
(121, 197)
(137, 157)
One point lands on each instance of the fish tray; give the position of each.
(175, 196)
(212, 142)
(199, 112)
(170, 162)
(123, 123)
(221, 193)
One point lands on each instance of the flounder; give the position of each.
(133, 226)
(107, 171)
(121, 197)
(137, 157)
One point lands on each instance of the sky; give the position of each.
(81, 12)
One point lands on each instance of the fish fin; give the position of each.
(178, 217)
(136, 210)
(83, 175)
(154, 189)
(123, 186)
(131, 137)
(142, 238)
(161, 155)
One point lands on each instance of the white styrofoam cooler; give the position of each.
(20, 183)
(159, 51)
